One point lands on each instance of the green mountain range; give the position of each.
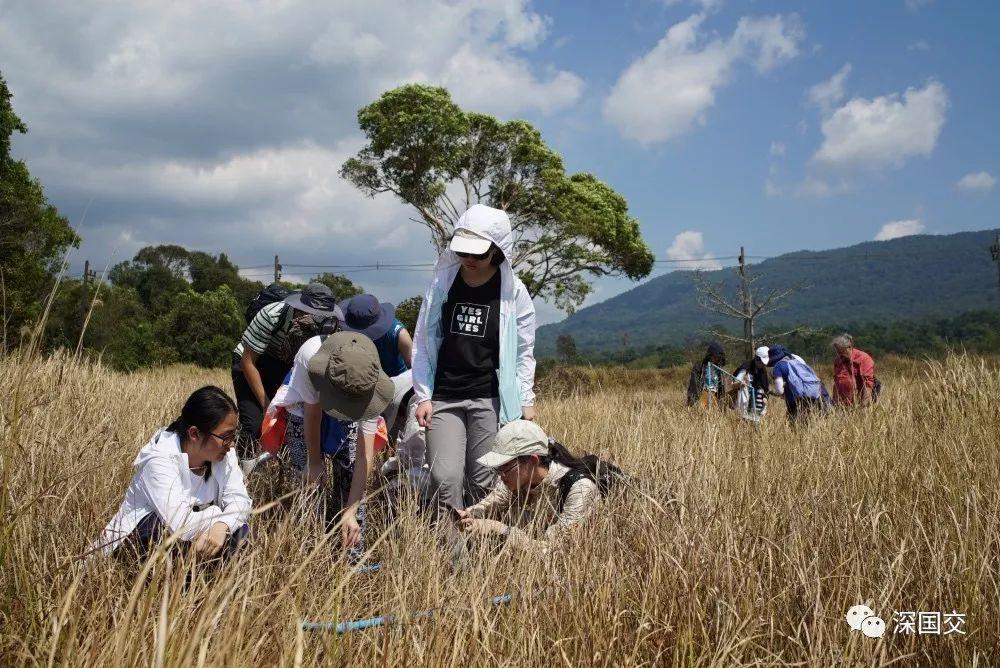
(874, 282)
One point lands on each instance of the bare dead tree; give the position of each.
(749, 305)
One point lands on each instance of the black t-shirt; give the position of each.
(470, 346)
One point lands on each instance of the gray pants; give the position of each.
(461, 431)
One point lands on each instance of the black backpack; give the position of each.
(272, 293)
(605, 474)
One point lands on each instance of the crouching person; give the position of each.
(187, 482)
(543, 492)
(339, 375)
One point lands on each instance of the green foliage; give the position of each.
(341, 286)
(568, 228)
(33, 236)
(202, 327)
(159, 273)
(407, 312)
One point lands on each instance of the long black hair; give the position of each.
(498, 256)
(758, 375)
(204, 409)
(560, 453)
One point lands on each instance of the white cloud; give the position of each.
(669, 90)
(919, 45)
(885, 131)
(899, 228)
(502, 83)
(689, 245)
(978, 181)
(706, 5)
(828, 93)
(778, 148)
(222, 124)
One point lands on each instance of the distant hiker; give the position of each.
(751, 386)
(706, 384)
(187, 482)
(802, 389)
(340, 375)
(533, 497)
(264, 354)
(854, 381)
(377, 321)
(473, 361)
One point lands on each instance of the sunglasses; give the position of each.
(474, 256)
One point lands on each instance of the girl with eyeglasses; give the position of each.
(473, 354)
(188, 482)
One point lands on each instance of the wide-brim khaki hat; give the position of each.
(348, 377)
(517, 438)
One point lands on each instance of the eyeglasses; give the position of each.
(226, 440)
(474, 256)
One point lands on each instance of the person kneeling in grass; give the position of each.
(187, 481)
(532, 493)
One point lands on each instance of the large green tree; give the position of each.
(440, 159)
(159, 273)
(202, 327)
(341, 286)
(33, 236)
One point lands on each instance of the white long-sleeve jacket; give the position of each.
(161, 484)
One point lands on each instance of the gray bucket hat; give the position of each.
(348, 377)
(316, 299)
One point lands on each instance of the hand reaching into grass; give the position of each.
(350, 530)
(481, 527)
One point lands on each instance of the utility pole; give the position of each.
(88, 274)
(746, 302)
(995, 250)
(277, 269)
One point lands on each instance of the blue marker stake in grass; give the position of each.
(382, 620)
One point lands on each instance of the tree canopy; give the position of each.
(33, 236)
(431, 154)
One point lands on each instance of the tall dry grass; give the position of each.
(775, 534)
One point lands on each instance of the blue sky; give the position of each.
(776, 125)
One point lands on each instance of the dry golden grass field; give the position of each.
(774, 534)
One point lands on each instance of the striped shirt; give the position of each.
(267, 330)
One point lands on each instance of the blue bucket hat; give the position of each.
(776, 354)
(364, 314)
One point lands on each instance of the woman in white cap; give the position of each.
(473, 354)
(542, 492)
(340, 375)
(752, 386)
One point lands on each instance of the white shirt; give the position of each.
(300, 389)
